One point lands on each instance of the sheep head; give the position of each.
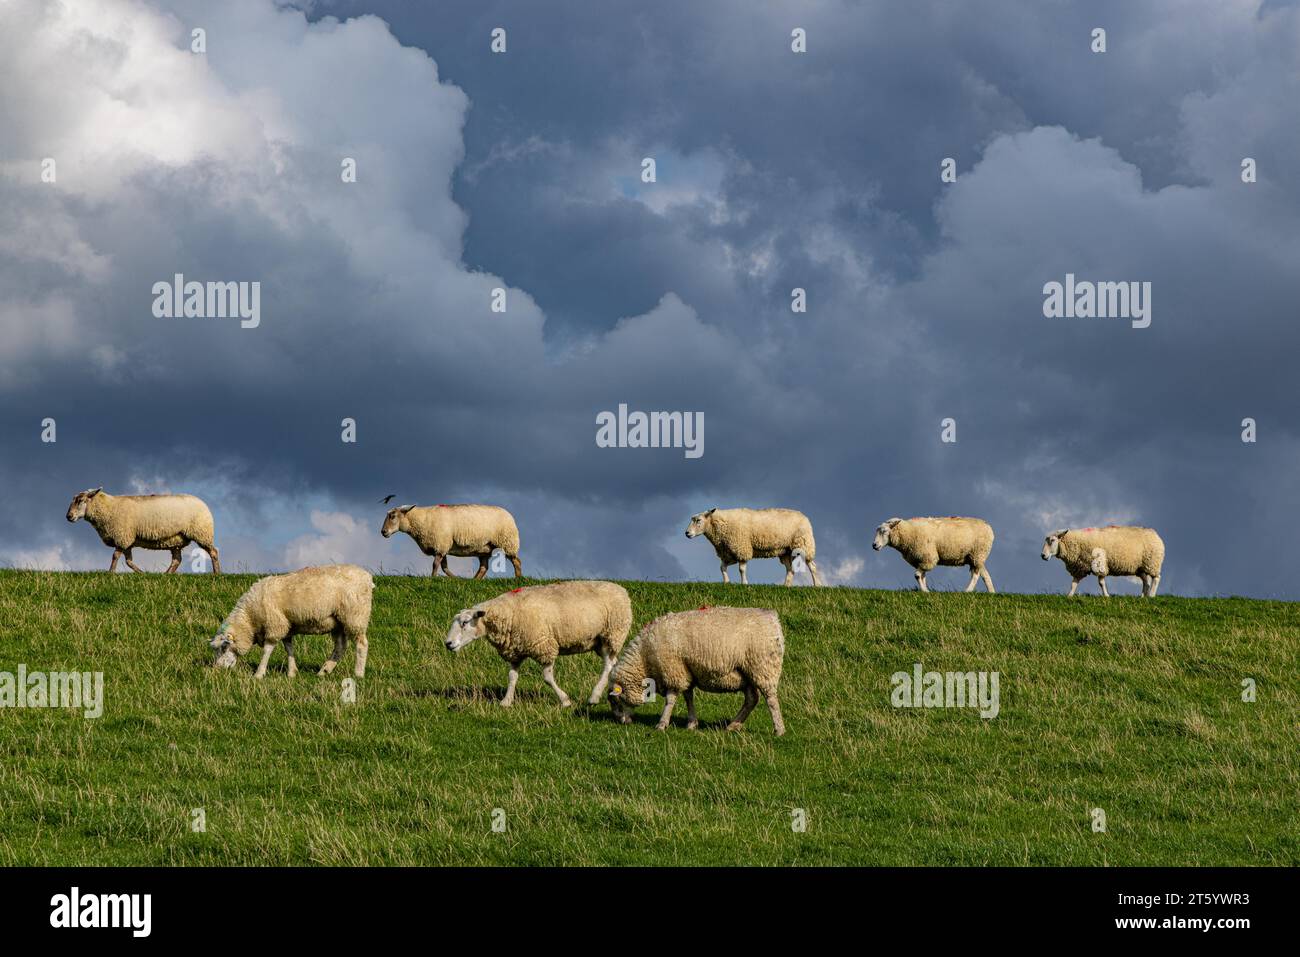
(77, 510)
(701, 523)
(393, 521)
(224, 649)
(468, 625)
(624, 698)
(882, 533)
(1052, 544)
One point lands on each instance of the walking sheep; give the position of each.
(458, 530)
(1127, 550)
(159, 522)
(712, 648)
(543, 622)
(927, 542)
(739, 534)
(324, 600)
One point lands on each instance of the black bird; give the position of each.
(388, 499)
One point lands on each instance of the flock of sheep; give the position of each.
(711, 648)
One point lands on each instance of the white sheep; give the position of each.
(711, 648)
(543, 622)
(159, 522)
(929, 542)
(739, 534)
(457, 530)
(1127, 550)
(327, 599)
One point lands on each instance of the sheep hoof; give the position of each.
(506, 702)
(566, 703)
(661, 727)
(735, 726)
(692, 725)
(327, 668)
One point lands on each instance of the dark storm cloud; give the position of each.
(776, 171)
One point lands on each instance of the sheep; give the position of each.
(322, 600)
(459, 530)
(739, 534)
(542, 622)
(711, 648)
(161, 522)
(927, 542)
(1127, 550)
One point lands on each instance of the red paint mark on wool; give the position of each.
(704, 608)
(515, 591)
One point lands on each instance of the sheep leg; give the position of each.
(725, 579)
(692, 722)
(340, 642)
(519, 569)
(548, 675)
(920, 580)
(988, 582)
(596, 692)
(1146, 584)
(1101, 581)
(126, 553)
(266, 657)
(482, 567)
(812, 570)
(216, 558)
(509, 698)
(789, 569)
(117, 553)
(744, 579)
(176, 562)
(1155, 583)
(362, 650)
(670, 699)
(774, 706)
(1074, 587)
(447, 571)
(974, 579)
(293, 662)
(751, 699)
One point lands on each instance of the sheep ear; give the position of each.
(406, 508)
(711, 511)
(893, 521)
(91, 493)
(479, 613)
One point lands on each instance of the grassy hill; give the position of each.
(1130, 706)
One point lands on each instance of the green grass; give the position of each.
(1131, 706)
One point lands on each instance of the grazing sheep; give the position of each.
(459, 530)
(927, 542)
(543, 622)
(712, 648)
(161, 522)
(324, 600)
(739, 534)
(1127, 550)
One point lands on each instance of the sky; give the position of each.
(522, 171)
